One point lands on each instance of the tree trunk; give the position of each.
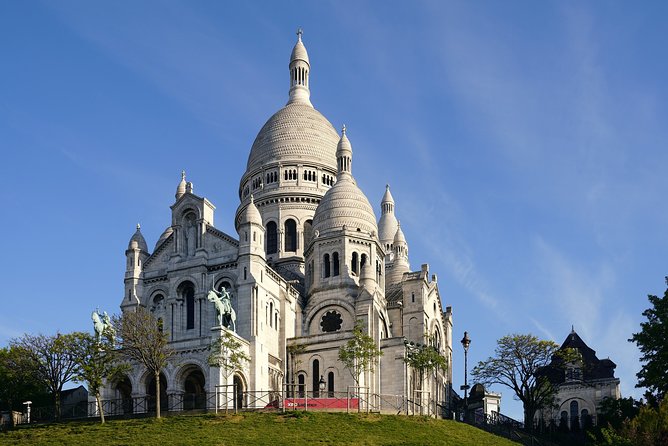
(56, 397)
(157, 395)
(529, 412)
(99, 406)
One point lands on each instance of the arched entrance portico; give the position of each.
(150, 391)
(123, 393)
(239, 392)
(194, 388)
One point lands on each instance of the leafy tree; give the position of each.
(424, 359)
(614, 412)
(651, 340)
(97, 360)
(19, 380)
(648, 428)
(140, 339)
(517, 359)
(54, 359)
(227, 354)
(360, 353)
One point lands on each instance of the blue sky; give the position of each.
(524, 142)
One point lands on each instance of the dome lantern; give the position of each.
(299, 73)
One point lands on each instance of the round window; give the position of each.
(331, 321)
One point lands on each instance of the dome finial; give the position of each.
(138, 226)
(343, 130)
(183, 174)
(299, 34)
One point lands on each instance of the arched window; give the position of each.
(301, 380)
(290, 235)
(326, 265)
(271, 312)
(316, 378)
(330, 384)
(308, 232)
(272, 238)
(335, 261)
(575, 412)
(187, 293)
(355, 262)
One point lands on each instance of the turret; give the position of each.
(400, 263)
(387, 226)
(251, 231)
(181, 188)
(299, 73)
(136, 255)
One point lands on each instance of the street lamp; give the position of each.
(27, 404)
(321, 384)
(466, 341)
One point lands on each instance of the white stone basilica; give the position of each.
(310, 260)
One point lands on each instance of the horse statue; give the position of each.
(102, 325)
(225, 312)
(98, 325)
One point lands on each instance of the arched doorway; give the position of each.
(194, 396)
(150, 391)
(123, 391)
(239, 392)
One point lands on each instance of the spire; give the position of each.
(181, 188)
(137, 240)
(387, 203)
(344, 154)
(299, 73)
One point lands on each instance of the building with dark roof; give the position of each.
(582, 385)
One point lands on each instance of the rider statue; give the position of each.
(225, 311)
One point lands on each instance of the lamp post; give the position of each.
(27, 404)
(466, 341)
(321, 385)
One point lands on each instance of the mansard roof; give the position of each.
(592, 367)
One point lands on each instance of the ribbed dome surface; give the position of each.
(297, 132)
(299, 52)
(344, 204)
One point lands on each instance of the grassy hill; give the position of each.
(291, 428)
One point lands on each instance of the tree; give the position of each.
(97, 360)
(517, 359)
(19, 380)
(651, 340)
(140, 339)
(54, 359)
(360, 353)
(227, 354)
(648, 428)
(424, 359)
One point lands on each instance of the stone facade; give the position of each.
(581, 384)
(309, 260)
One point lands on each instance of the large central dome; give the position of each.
(296, 133)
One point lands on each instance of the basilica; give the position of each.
(310, 260)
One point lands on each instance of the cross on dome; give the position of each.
(299, 34)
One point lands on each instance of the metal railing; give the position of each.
(354, 399)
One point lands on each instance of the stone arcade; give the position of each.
(310, 259)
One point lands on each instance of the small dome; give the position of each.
(344, 205)
(137, 241)
(344, 147)
(165, 235)
(299, 50)
(251, 214)
(399, 236)
(181, 188)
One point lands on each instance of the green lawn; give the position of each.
(291, 428)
